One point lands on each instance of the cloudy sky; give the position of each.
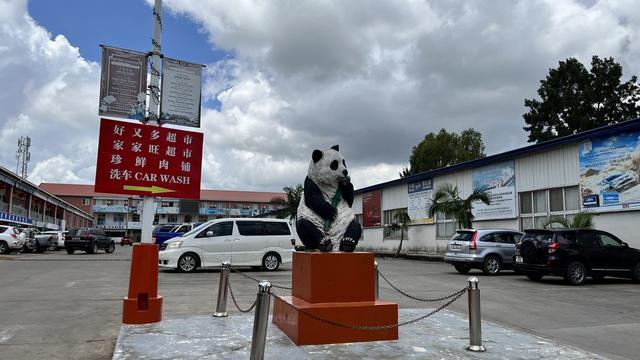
(284, 77)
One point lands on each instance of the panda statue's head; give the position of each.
(328, 167)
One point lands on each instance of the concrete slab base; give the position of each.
(442, 336)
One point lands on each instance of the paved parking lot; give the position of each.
(61, 306)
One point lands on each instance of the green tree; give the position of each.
(447, 200)
(582, 220)
(444, 149)
(289, 206)
(573, 99)
(402, 221)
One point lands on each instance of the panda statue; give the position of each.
(325, 220)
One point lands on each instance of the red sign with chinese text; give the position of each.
(371, 209)
(138, 159)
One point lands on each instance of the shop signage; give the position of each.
(15, 218)
(181, 93)
(123, 83)
(137, 159)
(371, 209)
(500, 181)
(420, 194)
(609, 172)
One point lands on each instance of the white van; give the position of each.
(259, 243)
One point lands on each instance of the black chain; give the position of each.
(236, 303)
(413, 297)
(256, 280)
(455, 296)
(158, 18)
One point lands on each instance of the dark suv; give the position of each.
(89, 240)
(575, 254)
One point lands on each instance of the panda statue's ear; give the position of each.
(336, 147)
(316, 156)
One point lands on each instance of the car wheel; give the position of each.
(271, 262)
(534, 276)
(70, 251)
(93, 248)
(121, 244)
(491, 265)
(4, 248)
(188, 262)
(635, 275)
(52, 247)
(111, 248)
(462, 269)
(576, 273)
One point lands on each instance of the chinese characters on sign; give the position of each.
(181, 91)
(123, 83)
(420, 201)
(148, 160)
(371, 209)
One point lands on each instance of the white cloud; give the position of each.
(373, 77)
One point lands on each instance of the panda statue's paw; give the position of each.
(347, 244)
(325, 244)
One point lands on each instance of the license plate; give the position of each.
(455, 247)
(518, 259)
(76, 238)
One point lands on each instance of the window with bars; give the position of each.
(445, 226)
(393, 224)
(538, 207)
(172, 219)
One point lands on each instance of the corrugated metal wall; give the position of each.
(549, 169)
(460, 178)
(395, 197)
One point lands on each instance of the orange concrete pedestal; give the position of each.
(338, 287)
(142, 304)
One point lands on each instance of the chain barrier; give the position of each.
(413, 297)
(453, 297)
(236, 303)
(256, 280)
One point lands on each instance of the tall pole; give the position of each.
(154, 105)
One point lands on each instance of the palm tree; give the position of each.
(289, 206)
(447, 200)
(582, 220)
(402, 221)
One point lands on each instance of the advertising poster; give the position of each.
(123, 83)
(420, 194)
(372, 209)
(181, 92)
(609, 172)
(500, 180)
(138, 159)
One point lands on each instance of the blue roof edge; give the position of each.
(633, 124)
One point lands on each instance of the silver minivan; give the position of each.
(256, 242)
(490, 250)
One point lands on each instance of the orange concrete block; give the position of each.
(142, 304)
(333, 277)
(289, 315)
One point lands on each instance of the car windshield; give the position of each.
(463, 236)
(194, 230)
(544, 237)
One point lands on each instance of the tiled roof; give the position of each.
(205, 195)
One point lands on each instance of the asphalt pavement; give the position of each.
(59, 306)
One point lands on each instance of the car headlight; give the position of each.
(174, 245)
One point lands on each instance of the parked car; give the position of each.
(126, 240)
(162, 235)
(35, 241)
(259, 243)
(576, 254)
(490, 250)
(10, 239)
(59, 235)
(88, 239)
(164, 228)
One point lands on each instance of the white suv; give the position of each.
(259, 243)
(10, 239)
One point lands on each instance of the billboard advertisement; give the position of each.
(181, 92)
(138, 159)
(123, 83)
(500, 181)
(610, 172)
(372, 209)
(420, 194)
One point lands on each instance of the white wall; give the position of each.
(622, 224)
(554, 168)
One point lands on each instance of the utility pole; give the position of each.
(23, 156)
(153, 111)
